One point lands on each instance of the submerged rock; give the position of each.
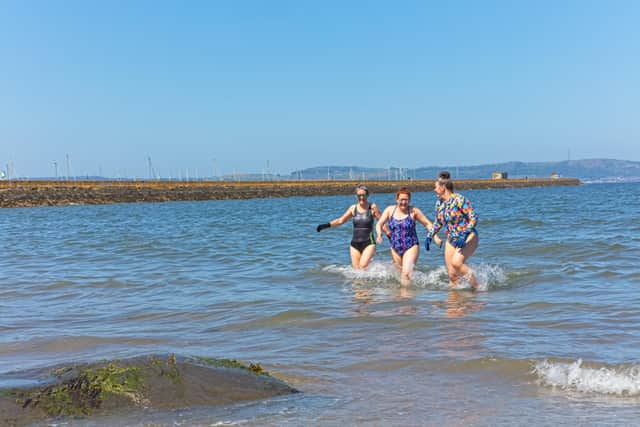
(159, 382)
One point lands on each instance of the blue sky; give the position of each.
(232, 85)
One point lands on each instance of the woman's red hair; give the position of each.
(403, 190)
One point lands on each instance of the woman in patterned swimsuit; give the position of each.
(363, 247)
(401, 220)
(455, 212)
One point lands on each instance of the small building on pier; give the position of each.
(499, 175)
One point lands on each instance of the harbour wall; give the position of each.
(31, 193)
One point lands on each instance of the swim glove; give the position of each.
(427, 242)
(322, 227)
(461, 241)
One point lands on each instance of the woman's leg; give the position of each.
(355, 257)
(456, 258)
(367, 256)
(397, 259)
(409, 259)
(449, 251)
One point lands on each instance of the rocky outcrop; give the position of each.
(159, 382)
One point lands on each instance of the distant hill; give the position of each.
(586, 170)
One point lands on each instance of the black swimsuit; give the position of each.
(362, 229)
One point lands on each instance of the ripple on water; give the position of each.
(287, 317)
(69, 343)
(228, 279)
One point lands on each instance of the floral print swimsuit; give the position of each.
(458, 216)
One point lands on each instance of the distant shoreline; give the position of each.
(62, 193)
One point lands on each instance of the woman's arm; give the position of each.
(346, 216)
(438, 220)
(382, 221)
(461, 237)
(470, 213)
(338, 221)
(422, 219)
(377, 214)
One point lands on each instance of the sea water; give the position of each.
(552, 338)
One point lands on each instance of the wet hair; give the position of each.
(362, 187)
(444, 178)
(403, 190)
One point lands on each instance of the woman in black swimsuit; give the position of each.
(363, 245)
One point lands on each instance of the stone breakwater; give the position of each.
(60, 193)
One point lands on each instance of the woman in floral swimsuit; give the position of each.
(401, 220)
(454, 212)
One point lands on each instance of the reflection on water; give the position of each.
(466, 340)
(371, 302)
(459, 303)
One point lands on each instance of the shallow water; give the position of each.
(552, 338)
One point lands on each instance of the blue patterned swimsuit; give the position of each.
(403, 233)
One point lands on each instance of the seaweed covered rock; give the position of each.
(160, 382)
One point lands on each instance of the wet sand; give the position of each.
(60, 193)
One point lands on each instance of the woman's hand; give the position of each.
(461, 241)
(437, 240)
(321, 227)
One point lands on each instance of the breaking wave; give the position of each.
(622, 381)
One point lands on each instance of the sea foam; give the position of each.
(376, 273)
(379, 273)
(623, 381)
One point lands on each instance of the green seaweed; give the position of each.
(61, 371)
(168, 369)
(81, 395)
(232, 363)
(115, 379)
(173, 373)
